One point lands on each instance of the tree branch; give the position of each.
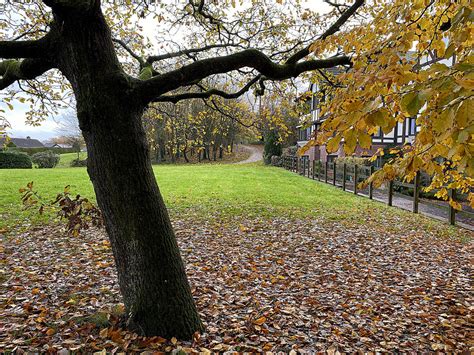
(13, 70)
(216, 107)
(72, 5)
(150, 89)
(129, 50)
(206, 94)
(155, 58)
(24, 49)
(330, 31)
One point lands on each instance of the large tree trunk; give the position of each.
(151, 273)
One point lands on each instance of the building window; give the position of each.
(412, 131)
(303, 134)
(331, 158)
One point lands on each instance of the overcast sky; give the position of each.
(48, 128)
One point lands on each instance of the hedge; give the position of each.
(350, 160)
(31, 151)
(14, 160)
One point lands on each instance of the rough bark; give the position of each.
(151, 273)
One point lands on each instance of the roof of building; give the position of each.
(23, 142)
(57, 145)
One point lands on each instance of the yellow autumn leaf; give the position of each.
(365, 140)
(465, 109)
(333, 144)
(443, 121)
(411, 103)
(350, 141)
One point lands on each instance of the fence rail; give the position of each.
(348, 176)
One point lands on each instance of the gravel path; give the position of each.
(256, 153)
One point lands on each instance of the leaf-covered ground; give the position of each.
(260, 285)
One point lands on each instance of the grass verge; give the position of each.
(220, 192)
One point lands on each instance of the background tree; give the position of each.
(278, 116)
(272, 146)
(69, 132)
(195, 129)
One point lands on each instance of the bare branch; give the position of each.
(155, 58)
(208, 93)
(216, 107)
(330, 31)
(72, 5)
(336, 5)
(129, 50)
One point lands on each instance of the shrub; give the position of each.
(79, 212)
(46, 159)
(14, 160)
(290, 151)
(277, 161)
(353, 161)
(272, 146)
(78, 163)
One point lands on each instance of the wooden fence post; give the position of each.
(416, 192)
(344, 172)
(308, 167)
(371, 185)
(356, 177)
(326, 172)
(314, 165)
(334, 173)
(452, 210)
(390, 192)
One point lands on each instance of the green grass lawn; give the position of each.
(216, 191)
(67, 158)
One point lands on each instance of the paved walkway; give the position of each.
(256, 153)
(426, 207)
